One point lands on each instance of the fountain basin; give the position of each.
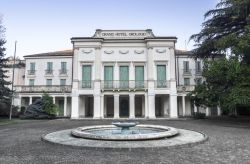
(113, 133)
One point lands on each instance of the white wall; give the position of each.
(41, 66)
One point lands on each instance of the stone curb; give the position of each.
(185, 145)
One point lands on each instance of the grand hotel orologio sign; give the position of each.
(123, 34)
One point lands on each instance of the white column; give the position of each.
(132, 105)
(30, 100)
(75, 107)
(195, 108)
(166, 106)
(183, 106)
(54, 99)
(102, 106)
(116, 106)
(131, 75)
(146, 105)
(97, 83)
(207, 111)
(218, 111)
(65, 106)
(97, 106)
(75, 68)
(151, 105)
(173, 106)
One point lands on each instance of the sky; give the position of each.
(47, 25)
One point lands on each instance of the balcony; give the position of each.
(161, 84)
(63, 72)
(43, 88)
(86, 84)
(48, 72)
(187, 72)
(198, 72)
(187, 88)
(123, 85)
(31, 72)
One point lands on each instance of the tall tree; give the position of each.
(5, 92)
(226, 31)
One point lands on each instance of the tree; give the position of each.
(227, 85)
(49, 106)
(225, 32)
(5, 92)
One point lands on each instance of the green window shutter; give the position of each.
(32, 66)
(186, 81)
(139, 76)
(108, 76)
(161, 76)
(124, 76)
(62, 81)
(49, 82)
(31, 82)
(63, 65)
(86, 76)
(49, 66)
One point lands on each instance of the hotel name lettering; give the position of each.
(123, 34)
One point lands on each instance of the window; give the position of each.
(49, 68)
(186, 67)
(63, 68)
(161, 76)
(32, 68)
(62, 81)
(186, 81)
(49, 82)
(198, 67)
(108, 76)
(139, 76)
(86, 76)
(31, 82)
(124, 77)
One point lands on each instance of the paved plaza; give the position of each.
(229, 142)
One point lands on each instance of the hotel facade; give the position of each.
(115, 74)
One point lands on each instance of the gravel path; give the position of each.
(229, 142)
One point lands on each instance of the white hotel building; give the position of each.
(115, 74)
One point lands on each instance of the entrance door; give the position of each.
(124, 107)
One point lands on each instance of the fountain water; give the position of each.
(124, 131)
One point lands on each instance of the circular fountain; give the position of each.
(125, 135)
(124, 131)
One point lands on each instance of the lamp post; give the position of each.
(12, 86)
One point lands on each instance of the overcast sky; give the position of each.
(47, 25)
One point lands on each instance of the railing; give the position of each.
(63, 71)
(123, 84)
(43, 88)
(186, 88)
(186, 71)
(198, 72)
(48, 72)
(86, 84)
(31, 72)
(161, 84)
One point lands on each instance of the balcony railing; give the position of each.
(31, 72)
(161, 84)
(43, 88)
(48, 72)
(123, 84)
(186, 88)
(186, 71)
(63, 71)
(86, 84)
(198, 72)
